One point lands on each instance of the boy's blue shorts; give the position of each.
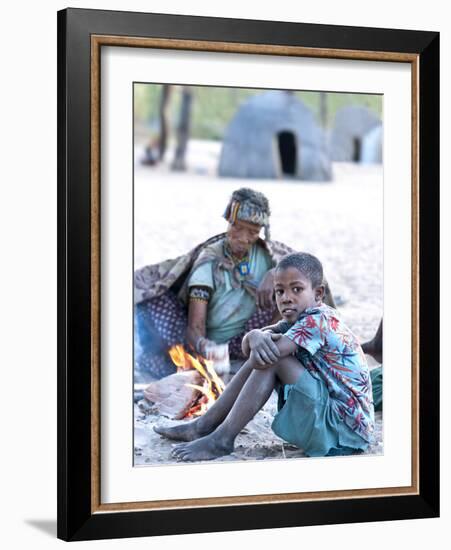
(307, 418)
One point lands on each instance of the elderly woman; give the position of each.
(212, 295)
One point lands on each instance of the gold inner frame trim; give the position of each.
(97, 41)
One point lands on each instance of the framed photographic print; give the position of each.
(248, 240)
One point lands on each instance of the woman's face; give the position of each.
(241, 236)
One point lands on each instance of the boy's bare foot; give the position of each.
(187, 431)
(205, 448)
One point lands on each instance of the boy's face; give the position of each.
(294, 293)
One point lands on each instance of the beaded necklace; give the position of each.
(242, 264)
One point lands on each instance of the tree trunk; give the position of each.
(183, 129)
(164, 122)
(323, 114)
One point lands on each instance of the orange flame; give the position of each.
(212, 386)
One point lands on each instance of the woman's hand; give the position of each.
(211, 350)
(263, 347)
(265, 291)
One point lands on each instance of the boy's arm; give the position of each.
(262, 339)
(277, 328)
(272, 328)
(266, 345)
(284, 345)
(245, 346)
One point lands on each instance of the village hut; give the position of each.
(274, 135)
(372, 146)
(352, 124)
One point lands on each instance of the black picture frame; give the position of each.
(78, 518)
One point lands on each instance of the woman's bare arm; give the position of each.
(265, 291)
(197, 322)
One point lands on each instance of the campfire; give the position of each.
(212, 386)
(191, 391)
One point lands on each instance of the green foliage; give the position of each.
(146, 101)
(213, 108)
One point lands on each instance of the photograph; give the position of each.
(258, 274)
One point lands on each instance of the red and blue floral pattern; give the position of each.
(330, 351)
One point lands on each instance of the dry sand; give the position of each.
(340, 222)
(256, 442)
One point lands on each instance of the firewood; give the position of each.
(172, 396)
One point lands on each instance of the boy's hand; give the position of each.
(257, 362)
(263, 347)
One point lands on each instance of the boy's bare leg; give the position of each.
(188, 431)
(250, 400)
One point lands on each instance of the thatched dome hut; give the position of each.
(351, 126)
(372, 144)
(274, 135)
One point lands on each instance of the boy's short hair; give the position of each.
(306, 263)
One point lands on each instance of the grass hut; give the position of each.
(372, 146)
(351, 126)
(274, 135)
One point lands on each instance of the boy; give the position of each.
(316, 363)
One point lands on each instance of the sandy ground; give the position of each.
(256, 442)
(340, 222)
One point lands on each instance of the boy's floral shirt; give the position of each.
(329, 351)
